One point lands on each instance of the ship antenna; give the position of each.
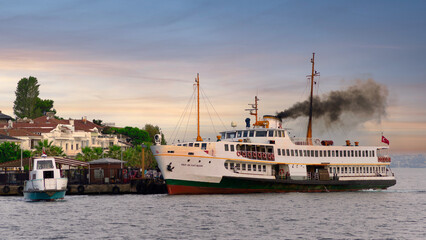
(314, 73)
(199, 139)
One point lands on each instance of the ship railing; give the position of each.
(306, 141)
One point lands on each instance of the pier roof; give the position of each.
(106, 161)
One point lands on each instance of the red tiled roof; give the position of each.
(17, 133)
(82, 125)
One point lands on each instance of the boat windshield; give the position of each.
(44, 164)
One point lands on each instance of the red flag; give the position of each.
(384, 140)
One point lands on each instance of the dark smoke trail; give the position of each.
(365, 100)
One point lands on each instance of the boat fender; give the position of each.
(20, 190)
(80, 189)
(264, 155)
(6, 189)
(238, 153)
(116, 190)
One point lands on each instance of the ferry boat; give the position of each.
(265, 158)
(45, 182)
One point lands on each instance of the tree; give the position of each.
(136, 135)
(10, 151)
(152, 131)
(88, 154)
(49, 148)
(97, 122)
(27, 103)
(26, 97)
(114, 152)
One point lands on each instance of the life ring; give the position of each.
(20, 190)
(243, 154)
(264, 155)
(249, 154)
(80, 189)
(254, 155)
(272, 157)
(116, 190)
(6, 189)
(259, 155)
(238, 153)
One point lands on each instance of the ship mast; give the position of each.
(199, 139)
(314, 73)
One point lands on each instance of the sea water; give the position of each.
(396, 213)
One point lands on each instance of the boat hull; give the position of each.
(235, 185)
(44, 195)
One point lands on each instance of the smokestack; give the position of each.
(366, 100)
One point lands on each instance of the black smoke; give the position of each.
(363, 101)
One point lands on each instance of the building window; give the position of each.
(72, 146)
(76, 146)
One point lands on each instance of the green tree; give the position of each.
(114, 152)
(49, 148)
(152, 131)
(89, 154)
(136, 135)
(27, 103)
(10, 151)
(97, 121)
(26, 97)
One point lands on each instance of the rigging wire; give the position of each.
(208, 111)
(202, 91)
(189, 116)
(181, 119)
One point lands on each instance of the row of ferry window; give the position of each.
(203, 145)
(345, 170)
(326, 153)
(246, 167)
(253, 133)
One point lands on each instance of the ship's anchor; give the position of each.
(169, 167)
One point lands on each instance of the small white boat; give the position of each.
(45, 181)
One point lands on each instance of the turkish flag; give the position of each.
(384, 140)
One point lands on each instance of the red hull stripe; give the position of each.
(181, 189)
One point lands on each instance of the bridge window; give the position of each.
(230, 135)
(204, 146)
(191, 144)
(245, 133)
(304, 153)
(251, 133)
(270, 133)
(196, 145)
(261, 133)
(239, 134)
(279, 134)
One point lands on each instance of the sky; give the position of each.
(134, 62)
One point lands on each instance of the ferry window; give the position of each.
(231, 166)
(254, 167)
(197, 145)
(244, 166)
(373, 153)
(341, 153)
(230, 135)
(226, 165)
(179, 144)
(204, 146)
(346, 169)
(251, 133)
(329, 153)
(292, 152)
(283, 151)
(363, 154)
(184, 144)
(338, 169)
(261, 133)
(223, 135)
(264, 168)
(279, 134)
(320, 152)
(239, 133)
(288, 152)
(245, 133)
(249, 167)
(279, 152)
(237, 166)
(226, 147)
(356, 153)
(232, 148)
(366, 169)
(191, 144)
(304, 153)
(259, 168)
(344, 153)
(295, 152)
(316, 153)
(44, 164)
(300, 153)
(283, 133)
(312, 153)
(350, 169)
(270, 133)
(352, 153)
